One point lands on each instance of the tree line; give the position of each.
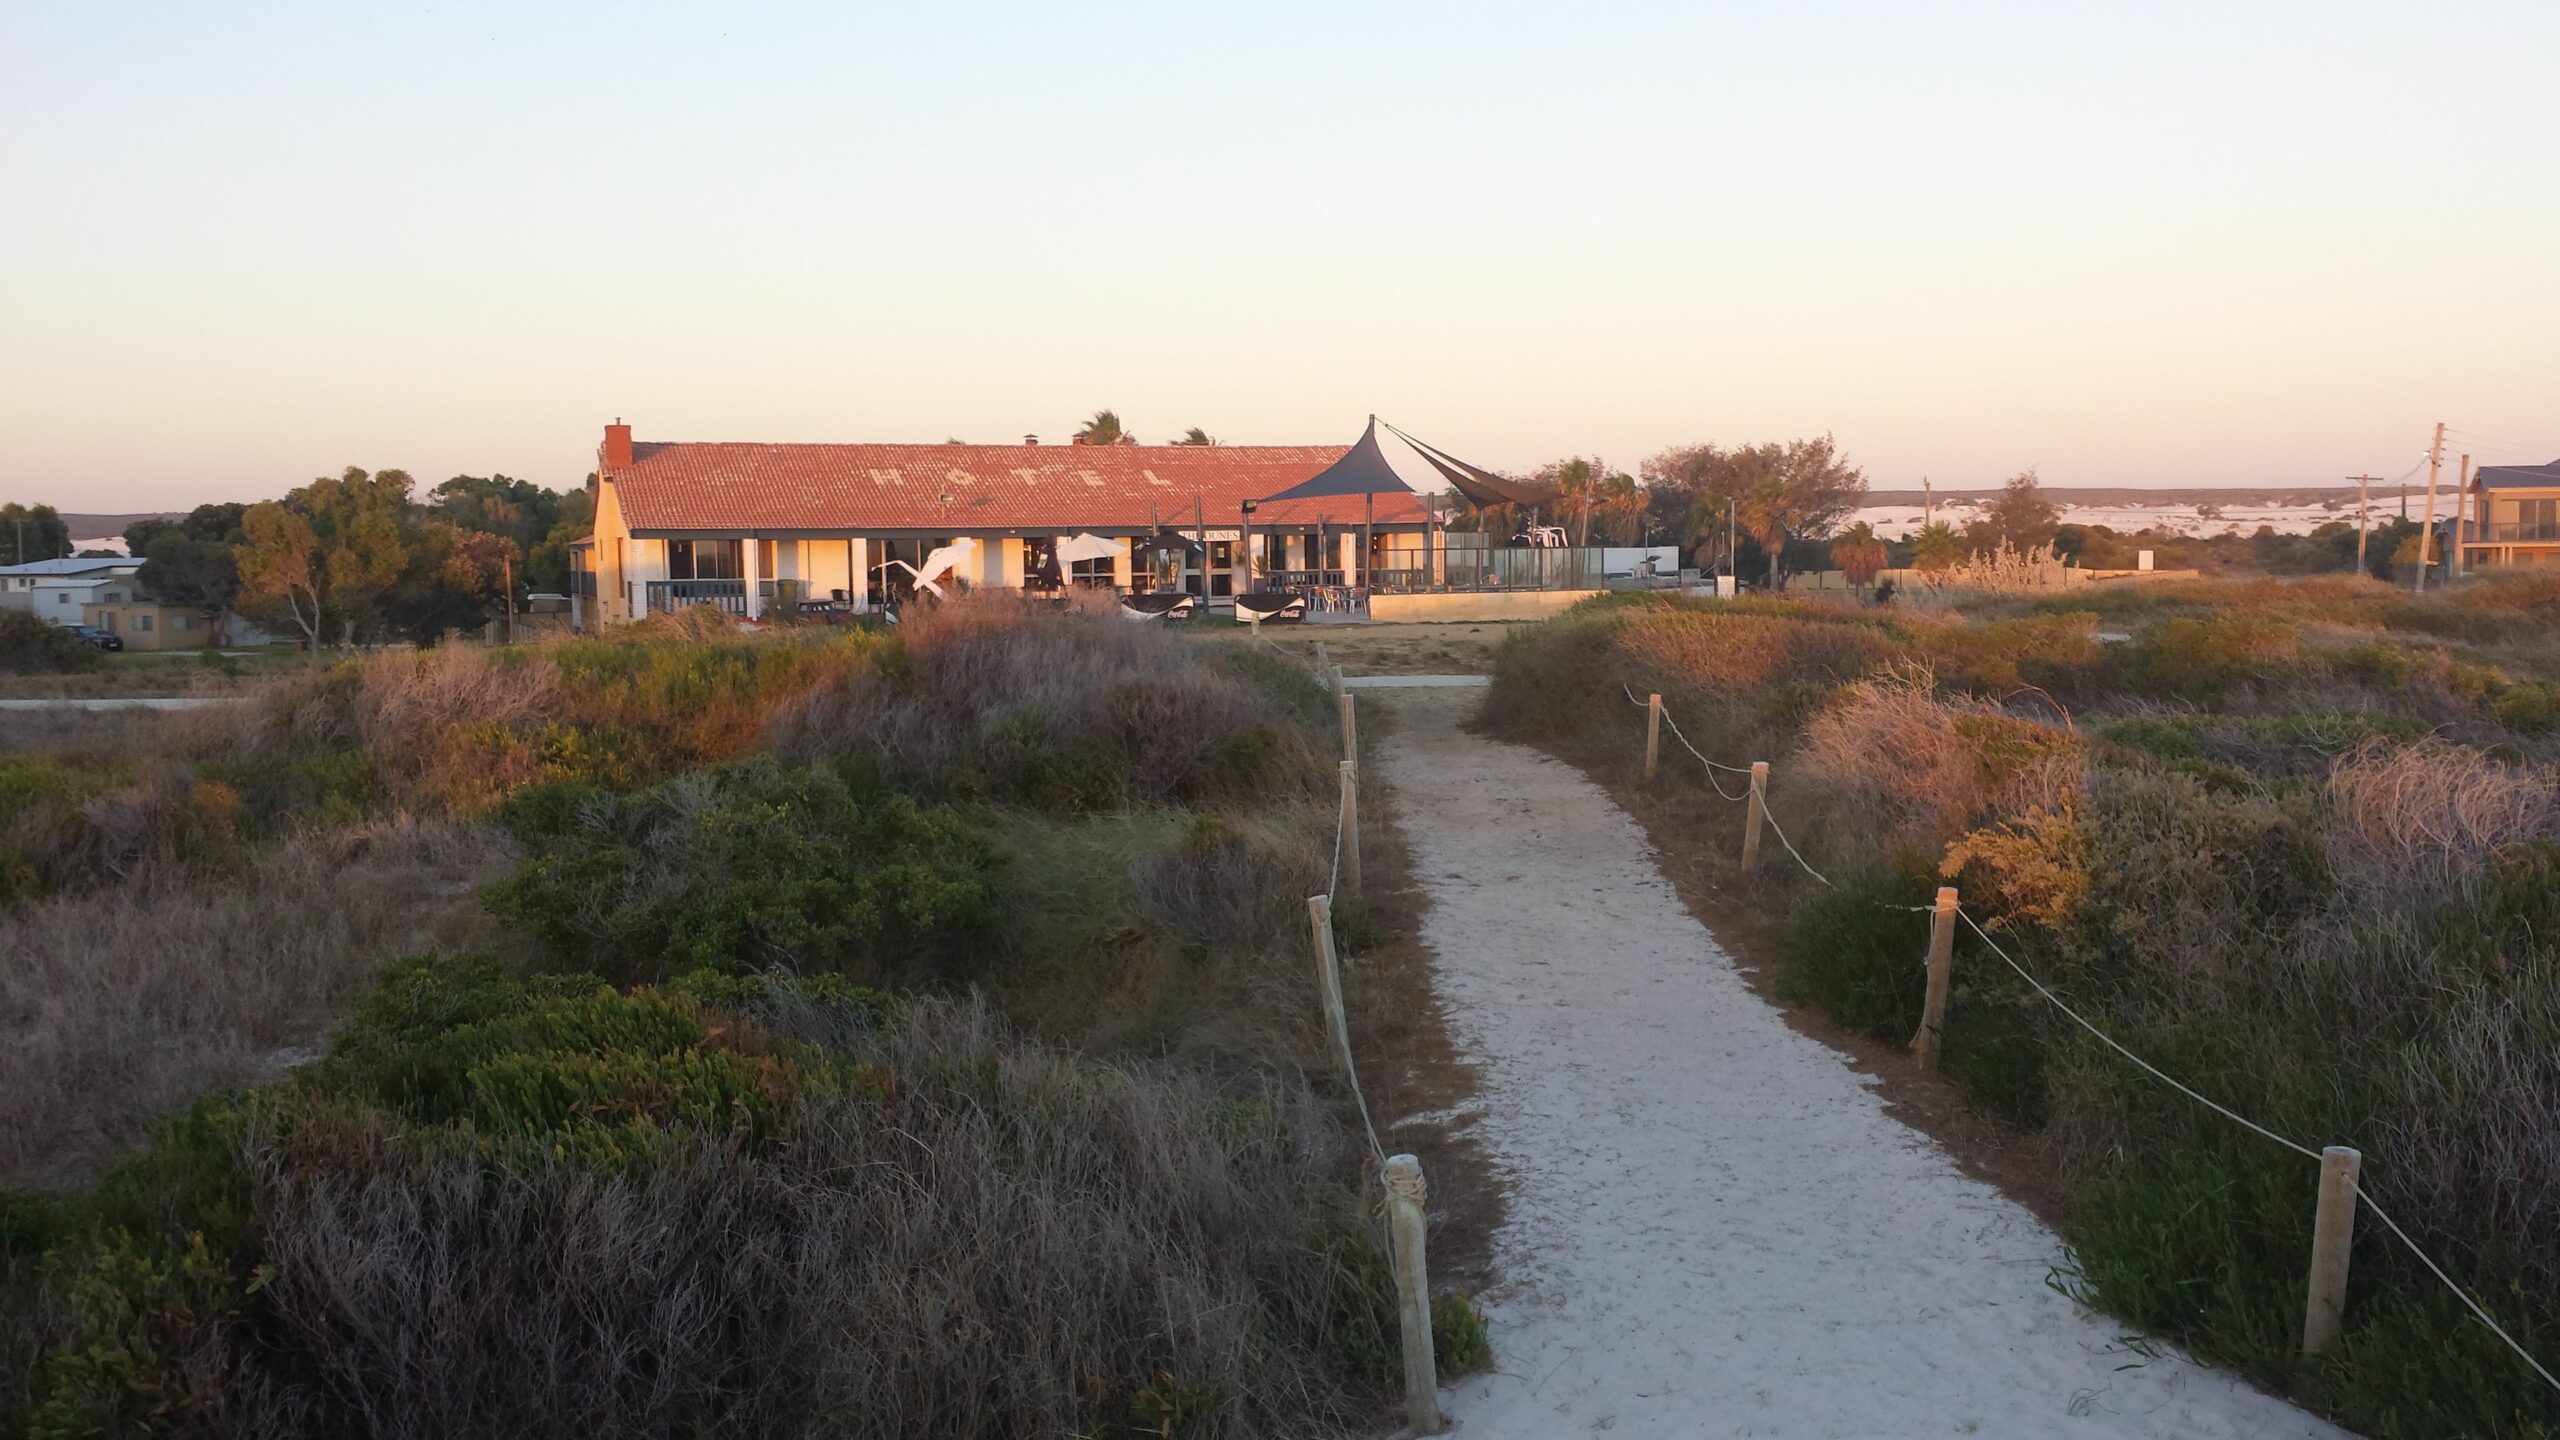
(32, 532)
(1737, 507)
(354, 558)
(1778, 508)
(348, 559)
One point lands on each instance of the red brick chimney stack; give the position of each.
(617, 444)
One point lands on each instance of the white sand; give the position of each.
(1714, 1228)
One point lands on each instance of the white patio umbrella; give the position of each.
(1089, 546)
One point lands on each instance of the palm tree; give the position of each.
(1104, 429)
(1499, 519)
(1573, 481)
(1859, 554)
(1588, 488)
(1193, 436)
(1767, 511)
(1698, 523)
(1936, 546)
(1623, 501)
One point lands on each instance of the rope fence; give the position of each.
(2341, 1189)
(1401, 1178)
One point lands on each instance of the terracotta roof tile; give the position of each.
(722, 486)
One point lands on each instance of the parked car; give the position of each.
(103, 639)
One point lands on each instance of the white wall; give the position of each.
(1625, 559)
(59, 599)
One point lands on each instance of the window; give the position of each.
(703, 560)
(141, 622)
(182, 622)
(62, 597)
(768, 561)
(107, 621)
(1093, 574)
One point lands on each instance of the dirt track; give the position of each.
(1713, 1227)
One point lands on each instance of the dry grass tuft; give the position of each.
(1011, 1240)
(2415, 820)
(1065, 709)
(121, 1005)
(1890, 769)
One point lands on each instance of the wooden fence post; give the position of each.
(1942, 959)
(1405, 1194)
(1329, 981)
(1757, 803)
(2333, 1229)
(1347, 705)
(1652, 735)
(1350, 822)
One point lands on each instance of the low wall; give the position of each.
(1476, 605)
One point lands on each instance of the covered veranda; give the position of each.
(1342, 561)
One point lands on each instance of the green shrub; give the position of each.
(2046, 649)
(2245, 752)
(144, 1313)
(2202, 659)
(749, 866)
(505, 1206)
(29, 646)
(1458, 1342)
(2392, 666)
(2533, 706)
(32, 782)
(1854, 952)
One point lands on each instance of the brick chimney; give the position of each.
(1030, 439)
(617, 444)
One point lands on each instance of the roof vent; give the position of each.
(1030, 439)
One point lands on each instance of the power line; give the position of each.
(2475, 439)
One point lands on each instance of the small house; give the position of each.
(2511, 516)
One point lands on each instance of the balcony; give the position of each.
(668, 596)
(2528, 533)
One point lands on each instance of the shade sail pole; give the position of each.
(1368, 539)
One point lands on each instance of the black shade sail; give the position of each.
(1362, 470)
(1365, 470)
(1479, 485)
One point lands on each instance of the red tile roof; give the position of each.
(722, 486)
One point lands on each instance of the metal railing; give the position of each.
(2528, 531)
(670, 595)
(1470, 567)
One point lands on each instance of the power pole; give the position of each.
(2427, 535)
(2364, 485)
(1928, 503)
(2461, 523)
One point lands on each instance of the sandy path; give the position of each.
(1714, 1228)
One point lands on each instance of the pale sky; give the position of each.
(2159, 243)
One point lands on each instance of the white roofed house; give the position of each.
(60, 591)
(732, 524)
